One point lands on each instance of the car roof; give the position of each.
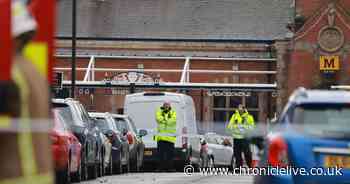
(303, 96)
(98, 114)
(62, 100)
(119, 116)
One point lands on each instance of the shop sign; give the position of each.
(228, 93)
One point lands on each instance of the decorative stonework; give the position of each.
(331, 38)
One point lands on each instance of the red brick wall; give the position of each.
(308, 7)
(304, 66)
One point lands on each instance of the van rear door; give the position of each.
(143, 113)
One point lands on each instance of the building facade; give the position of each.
(305, 41)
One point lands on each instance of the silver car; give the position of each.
(216, 150)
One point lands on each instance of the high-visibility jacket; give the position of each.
(240, 124)
(23, 151)
(166, 126)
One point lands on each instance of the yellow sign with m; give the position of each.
(329, 63)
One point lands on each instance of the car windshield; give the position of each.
(65, 113)
(132, 125)
(211, 140)
(325, 119)
(103, 124)
(121, 124)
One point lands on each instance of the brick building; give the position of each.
(159, 35)
(318, 54)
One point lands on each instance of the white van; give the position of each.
(142, 107)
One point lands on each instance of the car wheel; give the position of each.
(84, 167)
(93, 171)
(137, 163)
(102, 164)
(127, 166)
(203, 160)
(76, 177)
(117, 168)
(110, 165)
(211, 162)
(64, 175)
(99, 164)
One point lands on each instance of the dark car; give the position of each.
(313, 134)
(79, 123)
(120, 148)
(136, 145)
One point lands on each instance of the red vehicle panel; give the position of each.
(64, 143)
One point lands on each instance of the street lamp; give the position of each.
(74, 17)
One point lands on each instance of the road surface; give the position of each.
(169, 178)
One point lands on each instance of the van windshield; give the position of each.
(144, 113)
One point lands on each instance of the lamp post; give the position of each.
(74, 17)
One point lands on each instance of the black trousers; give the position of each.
(242, 146)
(165, 155)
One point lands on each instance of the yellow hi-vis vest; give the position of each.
(166, 126)
(240, 124)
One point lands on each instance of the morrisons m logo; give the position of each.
(329, 63)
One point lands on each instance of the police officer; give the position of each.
(240, 122)
(166, 138)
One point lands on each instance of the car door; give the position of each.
(218, 151)
(227, 151)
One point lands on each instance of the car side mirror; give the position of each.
(142, 133)
(125, 131)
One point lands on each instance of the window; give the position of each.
(224, 107)
(102, 124)
(121, 124)
(66, 114)
(235, 101)
(220, 116)
(219, 101)
(252, 101)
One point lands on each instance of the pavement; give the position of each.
(170, 178)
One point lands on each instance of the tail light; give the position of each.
(130, 138)
(277, 153)
(184, 137)
(55, 139)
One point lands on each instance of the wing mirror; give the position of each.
(125, 131)
(142, 133)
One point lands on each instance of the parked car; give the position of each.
(66, 151)
(142, 107)
(103, 145)
(136, 146)
(119, 160)
(79, 123)
(216, 150)
(313, 133)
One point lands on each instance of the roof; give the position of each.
(303, 96)
(178, 19)
(98, 114)
(141, 94)
(119, 116)
(61, 100)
